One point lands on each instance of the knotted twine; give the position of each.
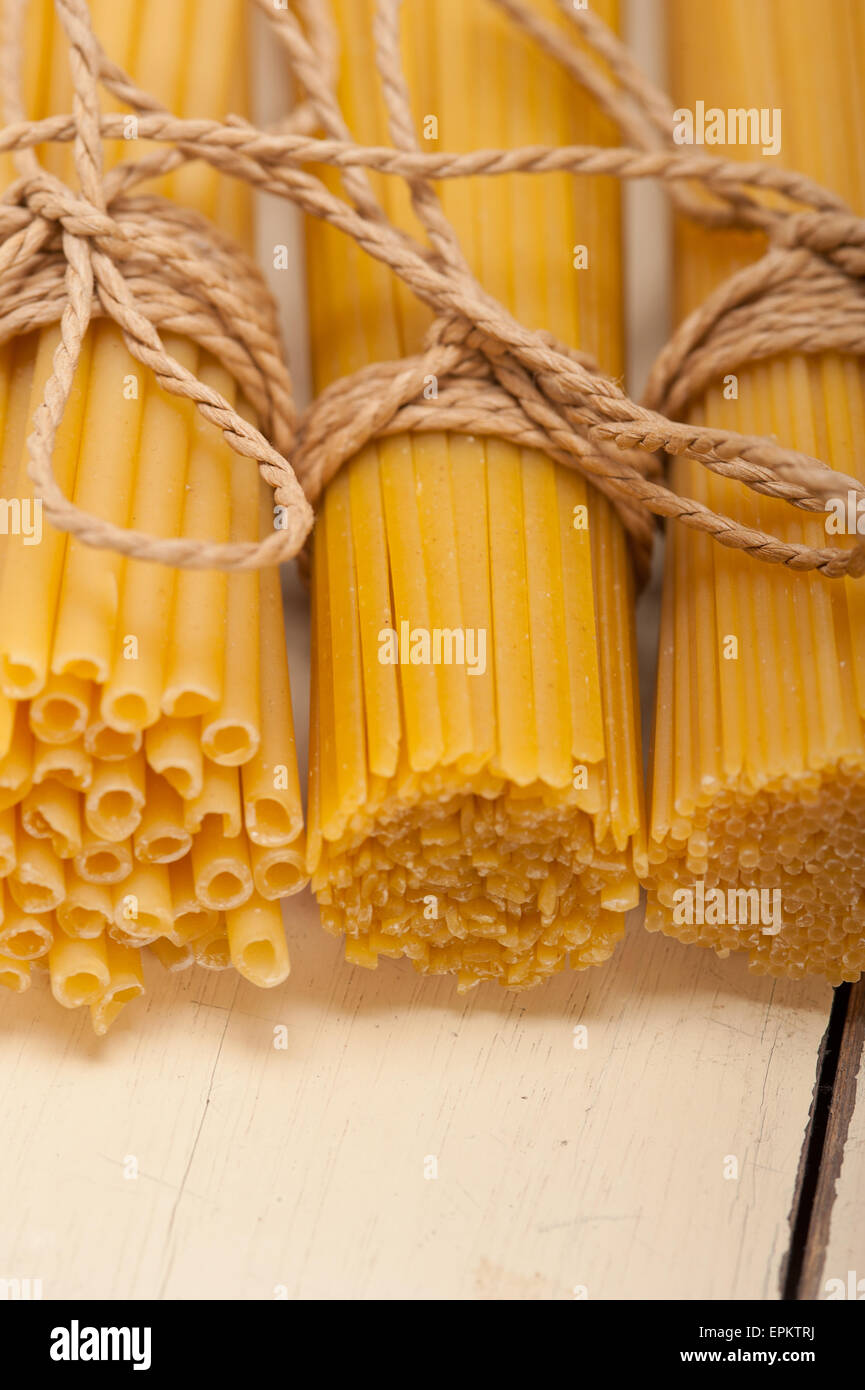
(71, 255)
(147, 265)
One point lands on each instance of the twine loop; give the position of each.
(496, 378)
(465, 382)
(69, 255)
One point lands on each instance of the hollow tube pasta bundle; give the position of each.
(757, 832)
(475, 789)
(146, 742)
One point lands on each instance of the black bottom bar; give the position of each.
(266, 1340)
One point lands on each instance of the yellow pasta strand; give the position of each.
(131, 695)
(102, 861)
(272, 808)
(161, 837)
(756, 838)
(173, 750)
(212, 950)
(52, 811)
(8, 856)
(126, 982)
(87, 910)
(142, 904)
(25, 936)
(220, 868)
(114, 802)
(191, 918)
(38, 881)
(257, 942)
(170, 956)
(475, 792)
(79, 971)
(69, 764)
(14, 974)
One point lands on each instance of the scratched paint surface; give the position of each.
(306, 1170)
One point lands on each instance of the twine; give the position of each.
(148, 265)
(72, 255)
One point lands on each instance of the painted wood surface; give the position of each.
(307, 1170)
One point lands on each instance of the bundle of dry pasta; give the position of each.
(756, 835)
(475, 794)
(149, 795)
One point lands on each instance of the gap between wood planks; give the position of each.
(834, 1098)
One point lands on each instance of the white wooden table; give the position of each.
(408, 1143)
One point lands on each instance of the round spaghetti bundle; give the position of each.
(475, 783)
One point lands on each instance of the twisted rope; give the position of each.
(495, 378)
(69, 255)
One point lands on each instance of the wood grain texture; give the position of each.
(836, 1243)
(303, 1169)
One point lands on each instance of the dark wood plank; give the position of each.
(820, 1168)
